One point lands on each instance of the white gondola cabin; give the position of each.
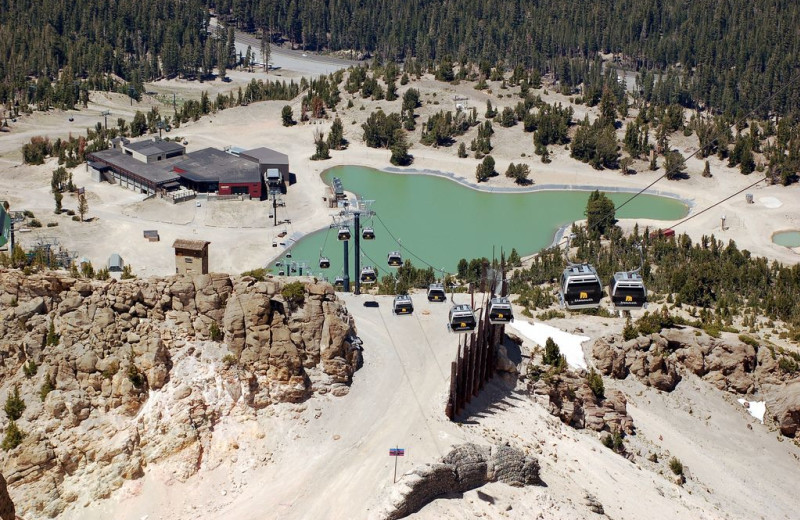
(324, 262)
(368, 275)
(368, 233)
(338, 282)
(580, 287)
(627, 291)
(402, 304)
(436, 293)
(500, 311)
(343, 234)
(394, 259)
(461, 319)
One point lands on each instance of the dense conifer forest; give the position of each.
(732, 55)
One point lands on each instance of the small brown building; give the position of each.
(191, 256)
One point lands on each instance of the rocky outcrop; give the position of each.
(783, 404)
(570, 398)
(6, 505)
(465, 467)
(122, 374)
(657, 359)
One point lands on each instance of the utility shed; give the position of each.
(191, 256)
(115, 263)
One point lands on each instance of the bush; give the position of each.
(748, 340)
(214, 333)
(629, 332)
(595, 381)
(135, 376)
(126, 273)
(46, 388)
(52, 336)
(676, 466)
(552, 354)
(30, 369)
(34, 223)
(294, 293)
(52, 224)
(787, 365)
(614, 441)
(14, 405)
(229, 360)
(259, 274)
(76, 218)
(13, 438)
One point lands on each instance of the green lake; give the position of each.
(787, 238)
(441, 221)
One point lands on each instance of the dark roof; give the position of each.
(192, 245)
(157, 173)
(98, 166)
(212, 165)
(266, 156)
(155, 147)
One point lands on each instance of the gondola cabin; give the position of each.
(402, 304)
(338, 282)
(281, 273)
(343, 234)
(580, 287)
(500, 311)
(627, 291)
(436, 293)
(368, 275)
(288, 254)
(368, 233)
(394, 259)
(324, 262)
(461, 318)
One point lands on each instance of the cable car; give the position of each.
(278, 263)
(436, 292)
(324, 262)
(627, 291)
(368, 233)
(402, 304)
(461, 318)
(343, 234)
(394, 259)
(580, 287)
(288, 254)
(281, 273)
(338, 282)
(368, 275)
(500, 311)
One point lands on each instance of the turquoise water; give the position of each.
(787, 238)
(441, 221)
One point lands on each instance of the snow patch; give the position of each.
(569, 344)
(770, 202)
(755, 408)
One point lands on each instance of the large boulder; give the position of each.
(783, 405)
(6, 505)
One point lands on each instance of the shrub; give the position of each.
(30, 369)
(614, 441)
(34, 223)
(629, 332)
(14, 405)
(13, 438)
(52, 224)
(294, 293)
(552, 354)
(135, 376)
(787, 365)
(749, 340)
(229, 360)
(214, 332)
(595, 381)
(52, 336)
(259, 274)
(76, 218)
(46, 388)
(126, 273)
(676, 466)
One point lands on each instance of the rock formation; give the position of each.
(117, 375)
(6, 505)
(570, 399)
(465, 467)
(728, 363)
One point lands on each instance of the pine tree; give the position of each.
(83, 205)
(14, 405)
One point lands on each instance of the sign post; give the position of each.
(396, 452)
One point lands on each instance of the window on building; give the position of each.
(188, 260)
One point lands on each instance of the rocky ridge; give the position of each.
(728, 363)
(119, 375)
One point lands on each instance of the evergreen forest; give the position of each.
(735, 56)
